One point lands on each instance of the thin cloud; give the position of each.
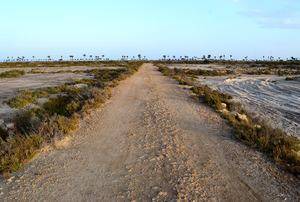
(283, 19)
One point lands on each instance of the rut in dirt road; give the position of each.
(151, 141)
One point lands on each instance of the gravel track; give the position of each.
(151, 142)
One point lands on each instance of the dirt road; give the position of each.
(151, 141)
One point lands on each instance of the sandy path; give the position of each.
(151, 141)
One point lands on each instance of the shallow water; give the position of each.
(268, 96)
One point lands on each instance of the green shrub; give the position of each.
(22, 100)
(12, 74)
(62, 105)
(212, 99)
(164, 70)
(25, 98)
(16, 150)
(67, 125)
(201, 72)
(28, 122)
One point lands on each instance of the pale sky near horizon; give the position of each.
(174, 27)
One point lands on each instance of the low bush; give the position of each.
(67, 125)
(28, 122)
(201, 72)
(15, 150)
(294, 78)
(25, 98)
(164, 70)
(12, 74)
(62, 105)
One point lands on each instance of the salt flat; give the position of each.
(270, 97)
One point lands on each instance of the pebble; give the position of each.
(10, 179)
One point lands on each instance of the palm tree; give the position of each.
(103, 56)
(139, 56)
(49, 57)
(230, 57)
(32, 58)
(164, 57)
(71, 57)
(84, 55)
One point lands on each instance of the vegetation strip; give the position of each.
(37, 124)
(280, 68)
(12, 74)
(58, 64)
(284, 149)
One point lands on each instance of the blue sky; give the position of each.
(152, 28)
